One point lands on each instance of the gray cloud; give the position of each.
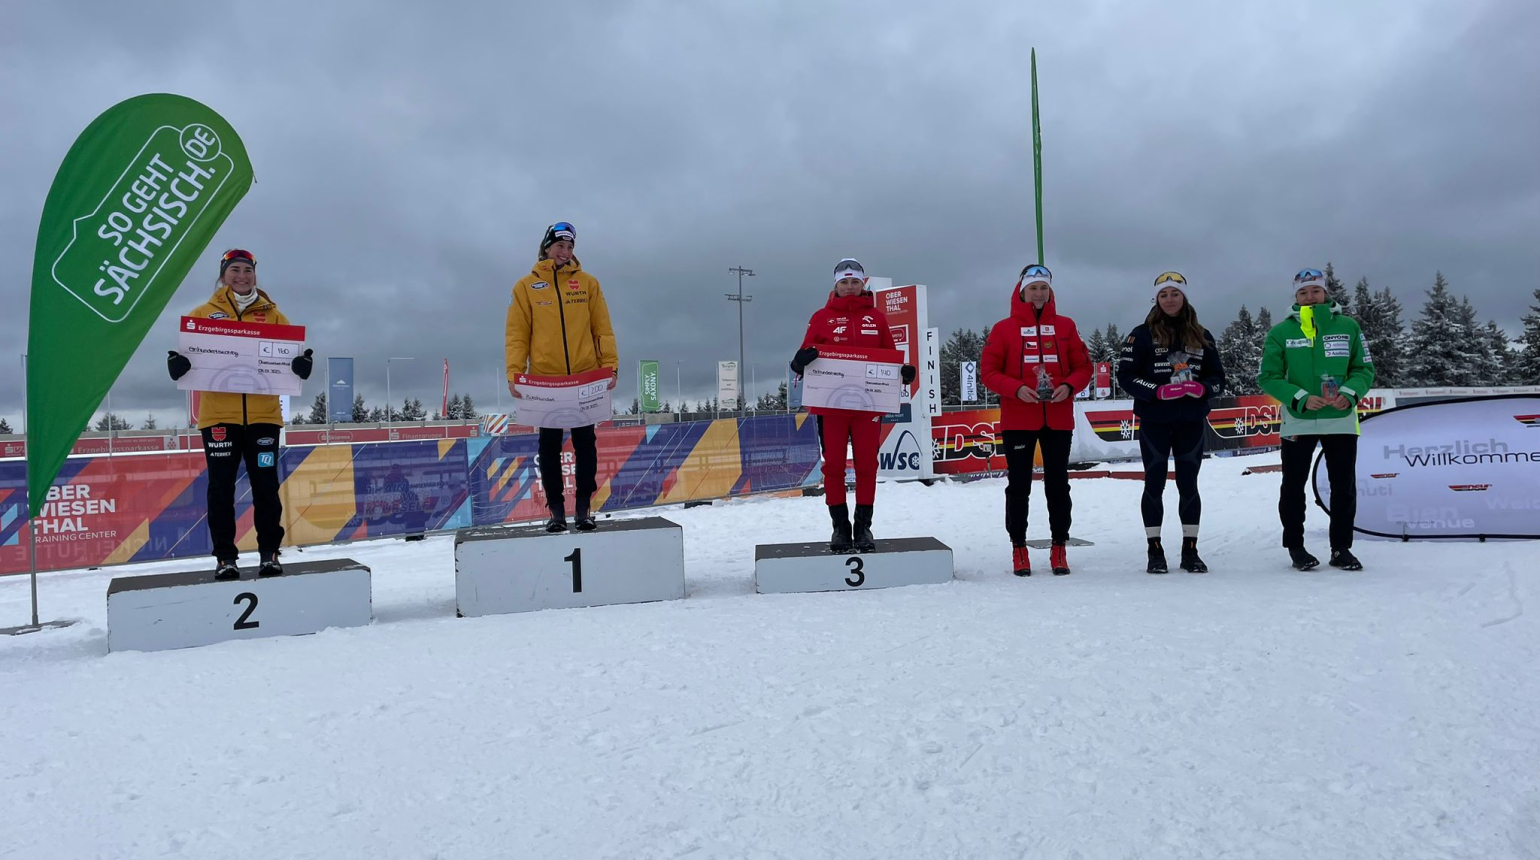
(408, 159)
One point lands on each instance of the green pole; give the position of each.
(1037, 161)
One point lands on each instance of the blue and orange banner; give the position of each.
(112, 510)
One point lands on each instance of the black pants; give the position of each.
(1158, 443)
(584, 449)
(1019, 447)
(1341, 452)
(225, 446)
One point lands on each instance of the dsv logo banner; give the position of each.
(1465, 468)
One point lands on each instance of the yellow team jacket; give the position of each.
(558, 323)
(223, 407)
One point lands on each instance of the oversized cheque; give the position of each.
(846, 377)
(563, 401)
(240, 357)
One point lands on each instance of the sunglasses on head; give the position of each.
(1172, 278)
(237, 254)
(1035, 271)
(849, 264)
(1308, 275)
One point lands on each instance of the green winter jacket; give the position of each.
(1313, 341)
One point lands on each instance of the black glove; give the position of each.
(907, 374)
(805, 356)
(303, 364)
(177, 364)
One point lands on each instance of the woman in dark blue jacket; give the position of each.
(1171, 366)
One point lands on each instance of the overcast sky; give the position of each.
(408, 157)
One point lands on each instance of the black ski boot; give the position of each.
(863, 535)
(1190, 561)
(558, 521)
(1345, 560)
(583, 520)
(226, 569)
(270, 565)
(840, 542)
(1301, 559)
(1157, 554)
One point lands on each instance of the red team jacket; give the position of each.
(848, 321)
(1021, 343)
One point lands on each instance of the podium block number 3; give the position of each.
(577, 569)
(857, 577)
(241, 623)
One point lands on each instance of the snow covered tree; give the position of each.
(361, 412)
(1505, 360)
(5, 427)
(1442, 349)
(1264, 321)
(636, 407)
(1336, 290)
(110, 421)
(1114, 339)
(964, 345)
(149, 422)
(467, 408)
(318, 413)
(1527, 364)
(1240, 350)
(1379, 315)
(456, 410)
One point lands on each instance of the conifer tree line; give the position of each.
(1446, 345)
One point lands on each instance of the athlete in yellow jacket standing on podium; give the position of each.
(559, 325)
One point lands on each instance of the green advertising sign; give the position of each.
(137, 199)
(648, 373)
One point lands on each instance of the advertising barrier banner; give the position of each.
(1465, 468)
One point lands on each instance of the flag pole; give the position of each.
(1037, 161)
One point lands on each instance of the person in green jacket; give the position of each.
(1316, 365)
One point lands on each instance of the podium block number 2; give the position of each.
(857, 575)
(241, 623)
(577, 569)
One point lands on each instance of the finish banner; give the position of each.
(1467, 468)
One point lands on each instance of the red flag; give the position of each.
(443, 410)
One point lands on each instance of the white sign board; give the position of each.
(240, 357)
(727, 384)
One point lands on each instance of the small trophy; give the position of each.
(1181, 370)
(1328, 386)
(1044, 385)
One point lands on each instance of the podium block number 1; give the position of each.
(577, 569)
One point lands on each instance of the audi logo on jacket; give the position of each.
(1021, 343)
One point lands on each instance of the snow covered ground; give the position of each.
(1255, 712)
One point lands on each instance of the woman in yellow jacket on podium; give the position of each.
(559, 325)
(241, 427)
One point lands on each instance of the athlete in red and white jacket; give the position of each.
(849, 318)
(1035, 360)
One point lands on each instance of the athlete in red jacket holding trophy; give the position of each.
(1035, 360)
(850, 318)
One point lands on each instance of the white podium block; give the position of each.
(183, 610)
(500, 569)
(786, 567)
